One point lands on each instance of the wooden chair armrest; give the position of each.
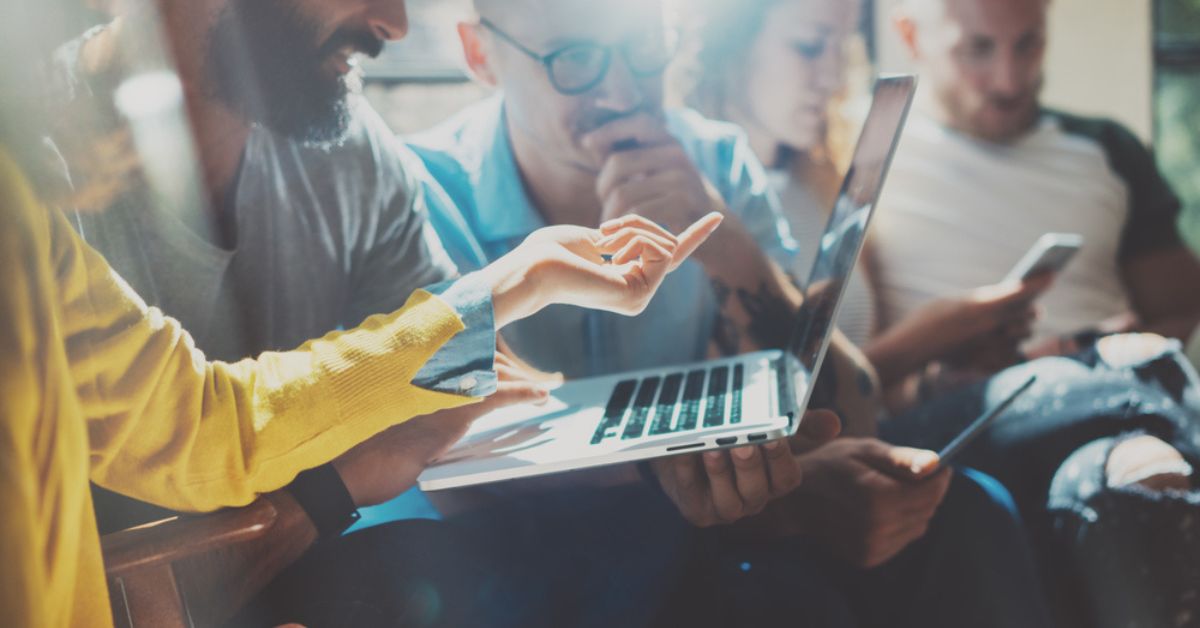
(192, 571)
(178, 538)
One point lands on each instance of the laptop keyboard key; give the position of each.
(668, 398)
(735, 402)
(615, 410)
(718, 383)
(693, 391)
(641, 408)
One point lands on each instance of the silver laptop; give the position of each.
(716, 404)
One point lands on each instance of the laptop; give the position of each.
(715, 404)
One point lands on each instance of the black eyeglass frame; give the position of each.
(547, 60)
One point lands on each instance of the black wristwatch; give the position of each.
(326, 500)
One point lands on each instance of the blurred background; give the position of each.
(1137, 61)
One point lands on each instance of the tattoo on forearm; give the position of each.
(771, 316)
(866, 387)
(725, 332)
(825, 387)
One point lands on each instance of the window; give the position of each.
(430, 51)
(1177, 105)
(420, 79)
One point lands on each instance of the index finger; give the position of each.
(694, 236)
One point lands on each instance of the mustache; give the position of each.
(357, 40)
(598, 118)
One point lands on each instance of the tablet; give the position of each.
(951, 451)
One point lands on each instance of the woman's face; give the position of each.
(794, 68)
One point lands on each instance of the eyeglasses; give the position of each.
(577, 68)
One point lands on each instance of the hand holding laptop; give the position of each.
(721, 487)
(683, 409)
(388, 464)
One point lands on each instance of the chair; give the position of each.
(194, 571)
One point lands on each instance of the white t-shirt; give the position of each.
(958, 213)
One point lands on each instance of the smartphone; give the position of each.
(1050, 253)
(955, 447)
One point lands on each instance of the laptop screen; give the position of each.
(842, 240)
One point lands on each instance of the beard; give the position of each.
(265, 63)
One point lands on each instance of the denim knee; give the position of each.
(1136, 552)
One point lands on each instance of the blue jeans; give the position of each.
(568, 558)
(973, 568)
(1134, 553)
(625, 557)
(1053, 436)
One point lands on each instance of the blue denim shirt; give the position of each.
(465, 364)
(479, 207)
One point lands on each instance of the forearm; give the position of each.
(758, 307)
(1180, 326)
(170, 428)
(1162, 291)
(259, 561)
(757, 301)
(897, 355)
(892, 358)
(848, 385)
(908, 346)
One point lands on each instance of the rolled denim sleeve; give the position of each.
(466, 364)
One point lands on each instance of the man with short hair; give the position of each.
(579, 135)
(315, 220)
(984, 170)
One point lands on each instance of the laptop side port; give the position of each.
(683, 447)
(728, 440)
(753, 438)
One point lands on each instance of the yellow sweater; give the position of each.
(95, 384)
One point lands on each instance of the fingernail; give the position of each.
(923, 461)
(771, 446)
(712, 456)
(743, 453)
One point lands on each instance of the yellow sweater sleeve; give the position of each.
(168, 427)
(47, 529)
(94, 383)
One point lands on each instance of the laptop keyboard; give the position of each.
(658, 404)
